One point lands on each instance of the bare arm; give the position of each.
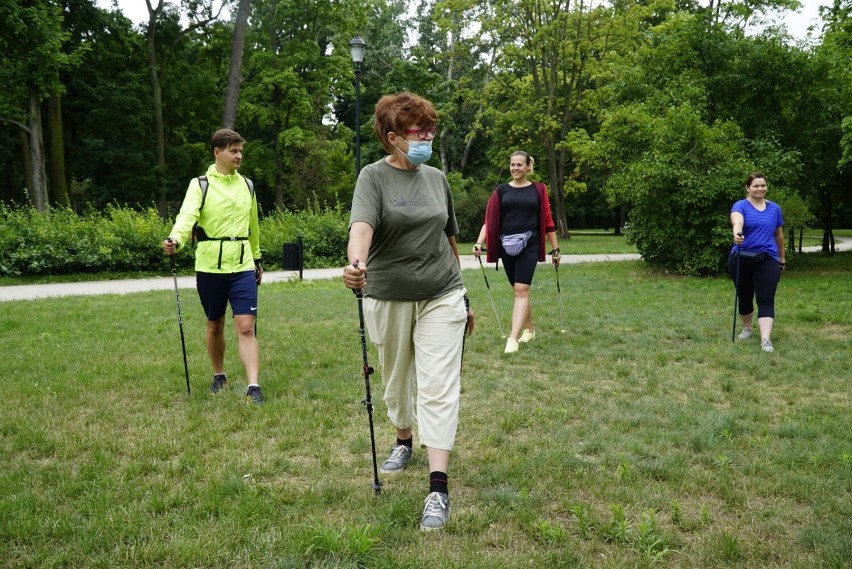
(737, 221)
(554, 242)
(360, 239)
(554, 246)
(477, 248)
(779, 240)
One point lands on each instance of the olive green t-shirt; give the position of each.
(412, 216)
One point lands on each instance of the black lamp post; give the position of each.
(356, 47)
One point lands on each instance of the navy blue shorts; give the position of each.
(216, 290)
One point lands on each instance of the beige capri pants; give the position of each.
(420, 351)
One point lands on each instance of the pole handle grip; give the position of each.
(355, 264)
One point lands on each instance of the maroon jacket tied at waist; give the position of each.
(492, 223)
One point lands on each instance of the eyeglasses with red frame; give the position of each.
(423, 133)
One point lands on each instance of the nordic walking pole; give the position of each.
(493, 306)
(180, 319)
(467, 326)
(257, 269)
(559, 296)
(736, 293)
(368, 371)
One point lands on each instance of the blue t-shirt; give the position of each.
(759, 227)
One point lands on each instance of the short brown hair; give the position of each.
(394, 113)
(225, 137)
(752, 177)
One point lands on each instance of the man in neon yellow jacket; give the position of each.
(220, 209)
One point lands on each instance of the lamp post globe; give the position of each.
(356, 48)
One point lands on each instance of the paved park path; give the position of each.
(127, 286)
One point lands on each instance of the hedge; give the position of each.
(121, 239)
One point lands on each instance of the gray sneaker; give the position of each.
(766, 345)
(436, 514)
(745, 334)
(398, 458)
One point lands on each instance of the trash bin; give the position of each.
(293, 257)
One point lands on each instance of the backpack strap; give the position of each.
(204, 183)
(198, 233)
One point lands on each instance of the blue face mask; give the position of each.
(419, 151)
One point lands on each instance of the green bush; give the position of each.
(469, 200)
(59, 241)
(136, 238)
(679, 176)
(324, 231)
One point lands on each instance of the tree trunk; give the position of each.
(276, 152)
(555, 175)
(471, 137)
(442, 151)
(58, 179)
(26, 157)
(232, 93)
(156, 91)
(38, 190)
(827, 233)
(619, 219)
(477, 118)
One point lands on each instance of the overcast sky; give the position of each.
(797, 23)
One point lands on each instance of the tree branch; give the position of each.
(24, 127)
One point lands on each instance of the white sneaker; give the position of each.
(511, 346)
(745, 334)
(766, 345)
(527, 335)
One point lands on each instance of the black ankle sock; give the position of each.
(438, 482)
(409, 442)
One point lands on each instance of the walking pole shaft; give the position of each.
(736, 295)
(491, 298)
(368, 399)
(466, 327)
(180, 322)
(559, 294)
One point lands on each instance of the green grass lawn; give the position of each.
(642, 437)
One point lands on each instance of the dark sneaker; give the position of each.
(219, 381)
(254, 395)
(436, 514)
(399, 457)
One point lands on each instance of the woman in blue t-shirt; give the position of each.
(759, 238)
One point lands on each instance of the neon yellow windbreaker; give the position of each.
(229, 211)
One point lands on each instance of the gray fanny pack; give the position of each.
(514, 244)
